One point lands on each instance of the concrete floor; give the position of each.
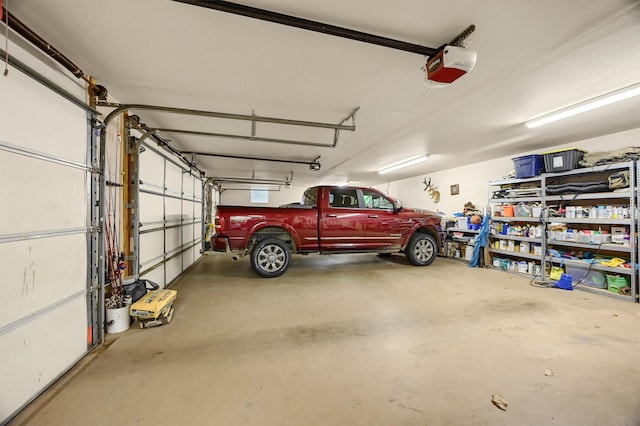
(361, 340)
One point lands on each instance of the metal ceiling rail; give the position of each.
(305, 24)
(253, 118)
(250, 181)
(247, 137)
(278, 189)
(244, 157)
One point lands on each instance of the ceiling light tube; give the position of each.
(404, 163)
(617, 96)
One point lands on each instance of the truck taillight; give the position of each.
(219, 222)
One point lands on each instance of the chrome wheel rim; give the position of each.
(271, 258)
(423, 250)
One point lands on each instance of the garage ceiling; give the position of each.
(534, 57)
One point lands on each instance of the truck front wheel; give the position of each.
(270, 257)
(421, 250)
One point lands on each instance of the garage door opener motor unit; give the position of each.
(451, 62)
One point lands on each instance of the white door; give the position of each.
(171, 216)
(47, 321)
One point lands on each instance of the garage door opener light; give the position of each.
(404, 163)
(617, 96)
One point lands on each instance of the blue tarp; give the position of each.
(482, 240)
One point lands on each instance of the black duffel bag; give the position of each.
(139, 288)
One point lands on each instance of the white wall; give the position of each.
(472, 179)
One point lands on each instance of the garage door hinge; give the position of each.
(97, 124)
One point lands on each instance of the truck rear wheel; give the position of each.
(421, 250)
(270, 257)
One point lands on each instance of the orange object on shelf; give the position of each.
(507, 211)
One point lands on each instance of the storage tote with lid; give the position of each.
(563, 160)
(528, 166)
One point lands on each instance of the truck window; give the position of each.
(375, 200)
(310, 197)
(340, 197)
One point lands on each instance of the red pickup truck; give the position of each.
(329, 220)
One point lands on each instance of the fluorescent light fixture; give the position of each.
(343, 183)
(617, 96)
(404, 163)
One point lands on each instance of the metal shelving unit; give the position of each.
(468, 234)
(534, 187)
(625, 197)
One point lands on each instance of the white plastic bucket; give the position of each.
(118, 320)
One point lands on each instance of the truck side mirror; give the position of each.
(397, 206)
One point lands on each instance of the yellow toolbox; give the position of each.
(154, 304)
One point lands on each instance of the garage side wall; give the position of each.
(473, 179)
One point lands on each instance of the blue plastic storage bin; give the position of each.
(528, 166)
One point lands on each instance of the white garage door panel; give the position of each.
(151, 248)
(188, 186)
(177, 189)
(31, 359)
(188, 209)
(174, 268)
(152, 209)
(174, 178)
(173, 210)
(188, 257)
(156, 275)
(36, 278)
(173, 240)
(152, 172)
(45, 190)
(187, 234)
(45, 195)
(30, 108)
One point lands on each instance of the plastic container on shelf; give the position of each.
(523, 267)
(561, 161)
(616, 282)
(468, 253)
(462, 222)
(528, 166)
(600, 238)
(522, 210)
(508, 211)
(589, 278)
(536, 211)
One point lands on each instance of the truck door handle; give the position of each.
(373, 215)
(331, 215)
